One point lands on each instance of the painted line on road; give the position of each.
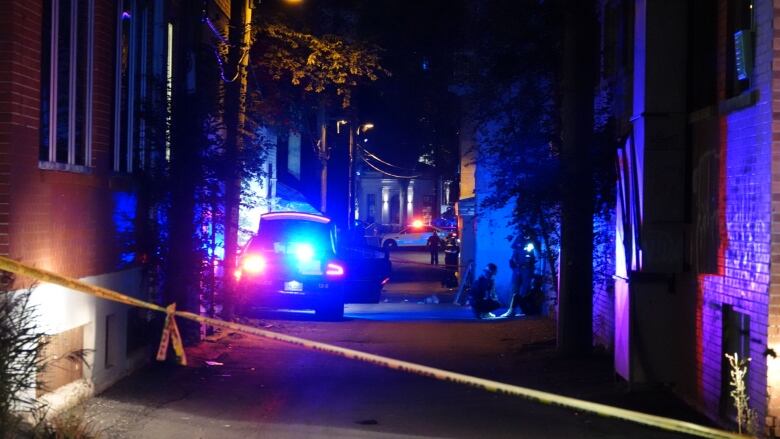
(659, 422)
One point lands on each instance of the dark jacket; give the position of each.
(434, 242)
(482, 288)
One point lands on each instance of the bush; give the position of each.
(21, 362)
(21, 342)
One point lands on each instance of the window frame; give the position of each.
(120, 107)
(73, 78)
(144, 35)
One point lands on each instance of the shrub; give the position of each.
(21, 342)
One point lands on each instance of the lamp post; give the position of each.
(351, 170)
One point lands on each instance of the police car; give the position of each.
(291, 263)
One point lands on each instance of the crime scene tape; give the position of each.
(444, 267)
(659, 422)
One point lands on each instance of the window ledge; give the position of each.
(746, 99)
(66, 167)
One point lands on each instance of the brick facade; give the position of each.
(65, 221)
(724, 296)
(53, 219)
(772, 61)
(743, 277)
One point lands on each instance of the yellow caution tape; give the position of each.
(425, 264)
(659, 422)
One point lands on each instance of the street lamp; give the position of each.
(365, 127)
(351, 169)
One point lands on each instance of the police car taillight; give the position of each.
(253, 264)
(333, 269)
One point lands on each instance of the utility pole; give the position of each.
(324, 156)
(580, 72)
(235, 116)
(351, 182)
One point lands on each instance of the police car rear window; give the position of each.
(275, 233)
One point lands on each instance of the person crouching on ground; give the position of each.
(482, 295)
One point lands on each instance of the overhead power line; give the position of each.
(387, 173)
(375, 157)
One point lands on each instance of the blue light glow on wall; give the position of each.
(123, 218)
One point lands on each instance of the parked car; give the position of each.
(410, 237)
(292, 262)
(368, 270)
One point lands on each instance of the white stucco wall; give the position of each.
(492, 230)
(60, 309)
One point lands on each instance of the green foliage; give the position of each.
(512, 81)
(509, 78)
(21, 343)
(747, 418)
(317, 64)
(69, 425)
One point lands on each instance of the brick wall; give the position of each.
(55, 220)
(773, 366)
(18, 95)
(743, 277)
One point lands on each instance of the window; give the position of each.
(66, 85)
(735, 340)
(142, 85)
(294, 155)
(62, 367)
(740, 46)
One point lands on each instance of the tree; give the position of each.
(327, 69)
(512, 95)
(536, 113)
(318, 64)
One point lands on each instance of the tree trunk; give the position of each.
(580, 68)
(235, 113)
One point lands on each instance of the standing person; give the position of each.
(433, 246)
(451, 252)
(516, 263)
(482, 295)
(523, 264)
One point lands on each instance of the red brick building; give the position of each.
(695, 87)
(76, 80)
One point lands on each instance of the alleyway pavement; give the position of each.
(241, 387)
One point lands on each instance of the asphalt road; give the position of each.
(242, 387)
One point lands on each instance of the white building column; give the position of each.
(385, 215)
(410, 200)
(401, 204)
